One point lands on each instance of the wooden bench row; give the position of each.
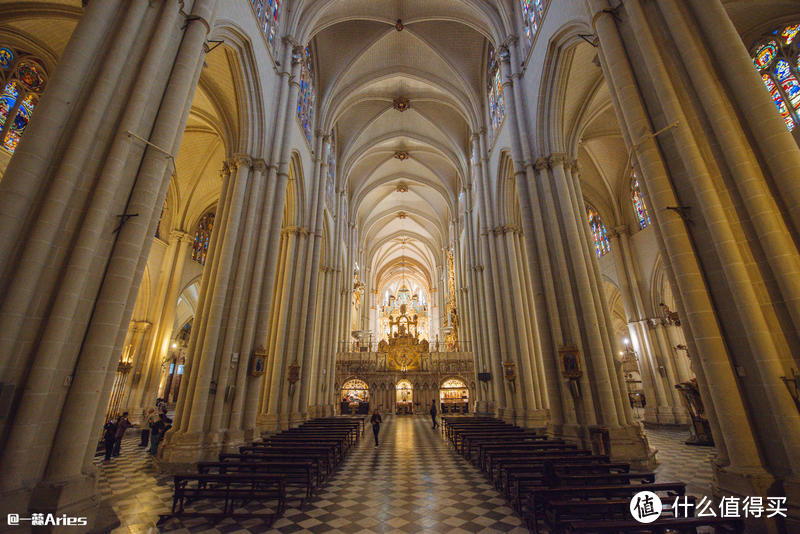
(260, 472)
(557, 487)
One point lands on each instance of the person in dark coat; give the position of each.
(109, 437)
(157, 431)
(433, 414)
(376, 425)
(123, 424)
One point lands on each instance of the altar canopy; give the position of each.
(404, 302)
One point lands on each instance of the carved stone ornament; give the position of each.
(402, 188)
(399, 25)
(401, 104)
(402, 155)
(402, 215)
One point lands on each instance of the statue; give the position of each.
(700, 429)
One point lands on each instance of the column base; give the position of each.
(76, 499)
(622, 444)
(666, 415)
(535, 419)
(267, 424)
(482, 407)
(182, 450)
(755, 481)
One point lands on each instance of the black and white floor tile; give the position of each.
(680, 462)
(411, 483)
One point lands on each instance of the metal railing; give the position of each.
(434, 346)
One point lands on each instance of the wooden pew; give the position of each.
(230, 489)
(539, 498)
(298, 472)
(682, 525)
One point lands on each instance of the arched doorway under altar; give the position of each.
(404, 403)
(454, 396)
(355, 397)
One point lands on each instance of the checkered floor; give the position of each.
(412, 483)
(680, 462)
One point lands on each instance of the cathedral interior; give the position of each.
(265, 221)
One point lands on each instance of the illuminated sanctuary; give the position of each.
(580, 217)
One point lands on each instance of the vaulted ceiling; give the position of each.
(402, 170)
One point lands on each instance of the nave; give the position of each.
(413, 482)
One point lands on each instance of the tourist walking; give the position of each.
(376, 425)
(109, 436)
(433, 414)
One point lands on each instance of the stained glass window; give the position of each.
(201, 238)
(777, 58)
(532, 14)
(497, 110)
(638, 204)
(305, 98)
(23, 79)
(268, 15)
(602, 246)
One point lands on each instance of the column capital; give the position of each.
(226, 167)
(180, 235)
(141, 326)
(260, 165)
(241, 160)
(541, 164)
(556, 159)
(619, 230)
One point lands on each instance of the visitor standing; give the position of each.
(123, 424)
(109, 436)
(157, 427)
(147, 417)
(376, 424)
(433, 414)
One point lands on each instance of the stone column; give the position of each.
(140, 328)
(717, 340)
(126, 84)
(172, 272)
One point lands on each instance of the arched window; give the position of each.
(532, 14)
(202, 235)
(602, 246)
(638, 204)
(268, 13)
(305, 99)
(497, 110)
(330, 185)
(23, 79)
(777, 58)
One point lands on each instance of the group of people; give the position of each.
(155, 424)
(113, 432)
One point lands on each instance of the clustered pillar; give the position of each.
(737, 292)
(71, 267)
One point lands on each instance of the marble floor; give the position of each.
(413, 482)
